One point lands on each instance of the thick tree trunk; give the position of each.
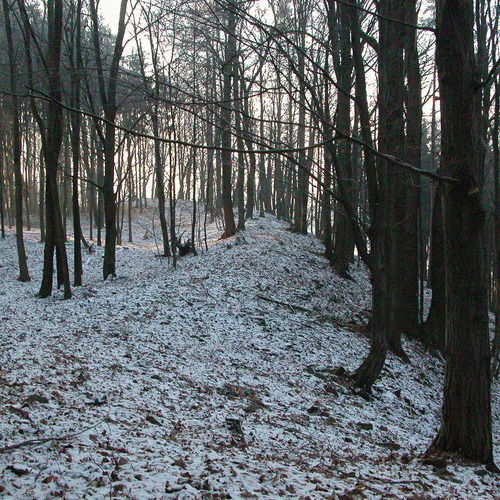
(407, 262)
(109, 196)
(466, 416)
(370, 369)
(496, 173)
(41, 201)
(55, 232)
(392, 141)
(344, 239)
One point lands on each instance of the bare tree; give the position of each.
(226, 119)
(16, 146)
(55, 236)
(109, 104)
(466, 417)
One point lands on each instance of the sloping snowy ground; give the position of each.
(211, 381)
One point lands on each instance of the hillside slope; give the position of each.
(212, 381)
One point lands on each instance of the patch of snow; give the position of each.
(202, 382)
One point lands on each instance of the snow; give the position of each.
(212, 381)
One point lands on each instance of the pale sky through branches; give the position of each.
(110, 10)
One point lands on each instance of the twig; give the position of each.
(291, 306)
(396, 481)
(36, 442)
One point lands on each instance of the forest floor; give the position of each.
(216, 380)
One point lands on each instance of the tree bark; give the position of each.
(16, 148)
(466, 426)
(108, 100)
(75, 148)
(371, 368)
(54, 240)
(434, 327)
(302, 187)
(392, 141)
(344, 239)
(226, 118)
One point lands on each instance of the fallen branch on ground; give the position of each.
(291, 306)
(36, 442)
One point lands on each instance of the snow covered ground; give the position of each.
(212, 381)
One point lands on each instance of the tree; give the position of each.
(55, 237)
(226, 116)
(302, 9)
(154, 115)
(466, 415)
(77, 65)
(16, 147)
(343, 252)
(109, 104)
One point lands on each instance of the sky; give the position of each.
(110, 9)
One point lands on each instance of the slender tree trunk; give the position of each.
(75, 148)
(302, 188)
(99, 206)
(327, 209)
(41, 201)
(172, 157)
(240, 180)
(209, 201)
(16, 149)
(160, 185)
(435, 325)
(2, 193)
(372, 366)
(264, 189)
(230, 52)
(108, 99)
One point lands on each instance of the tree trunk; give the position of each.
(392, 141)
(406, 303)
(496, 173)
(2, 194)
(16, 149)
(230, 52)
(55, 232)
(75, 148)
(433, 333)
(108, 100)
(302, 187)
(466, 415)
(344, 239)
